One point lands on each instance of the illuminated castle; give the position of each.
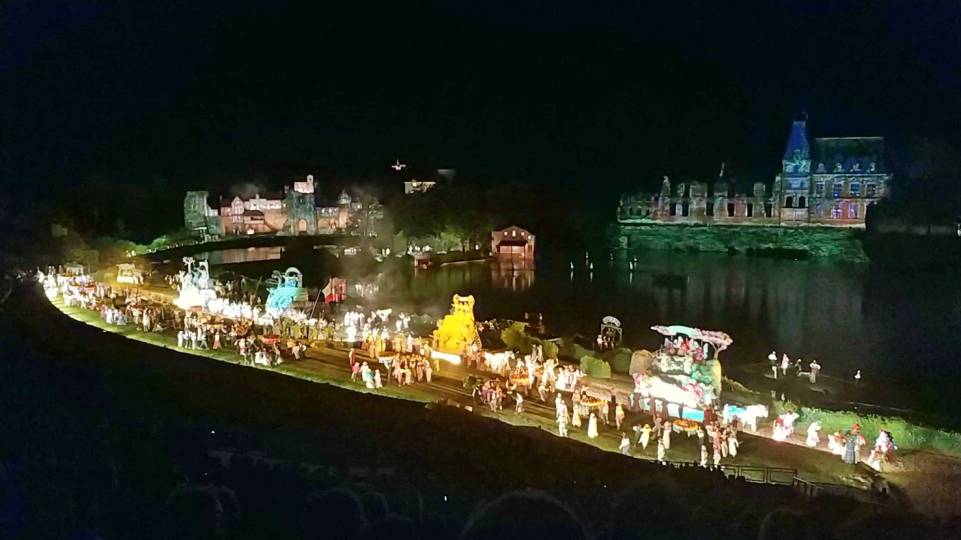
(832, 183)
(294, 212)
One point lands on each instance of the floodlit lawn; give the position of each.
(309, 370)
(812, 465)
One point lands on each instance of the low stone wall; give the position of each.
(797, 242)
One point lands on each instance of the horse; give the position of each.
(747, 415)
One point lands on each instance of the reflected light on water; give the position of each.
(515, 274)
(242, 255)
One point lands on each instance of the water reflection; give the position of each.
(242, 255)
(512, 273)
(846, 316)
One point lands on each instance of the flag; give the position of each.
(329, 295)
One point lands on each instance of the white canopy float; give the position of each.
(720, 340)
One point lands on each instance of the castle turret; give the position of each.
(794, 182)
(797, 155)
(301, 208)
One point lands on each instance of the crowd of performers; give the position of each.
(849, 445)
(407, 360)
(785, 367)
(717, 437)
(404, 369)
(514, 378)
(639, 422)
(255, 337)
(268, 344)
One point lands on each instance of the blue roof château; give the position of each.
(831, 182)
(797, 155)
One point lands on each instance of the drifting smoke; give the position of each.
(246, 190)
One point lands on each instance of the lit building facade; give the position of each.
(512, 242)
(294, 212)
(417, 186)
(831, 184)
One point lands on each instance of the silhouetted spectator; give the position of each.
(390, 527)
(435, 527)
(881, 526)
(407, 502)
(784, 524)
(198, 513)
(375, 505)
(523, 515)
(334, 514)
(84, 535)
(651, 509)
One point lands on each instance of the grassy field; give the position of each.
(815, 242)
(908, 435)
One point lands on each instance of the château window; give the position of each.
(709, 210)
(673, 209)
(750, 209)
(836, 212)
(855, 189)
(730, 209)
(685, 209)
(819, 189)
(789, 202)
(768, 209)
(853, 211)
(838, 189)
(802, 202)
(871, 190)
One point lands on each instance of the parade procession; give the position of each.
(670, 407)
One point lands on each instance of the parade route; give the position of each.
(327, 365)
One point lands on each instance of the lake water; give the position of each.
(850, 317)
(904, 329)
(241, 255)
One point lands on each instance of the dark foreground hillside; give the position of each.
(103, 437)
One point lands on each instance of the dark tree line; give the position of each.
(927, 187)
(469, 212)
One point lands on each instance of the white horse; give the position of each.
(747, 415)
(498, 362)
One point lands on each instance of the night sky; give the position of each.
(148, 99)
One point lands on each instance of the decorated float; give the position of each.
(196, 288)
(287, 291)
(456, 334)
(72, 269)
(685, 372)
(129, 273)
(610, 333)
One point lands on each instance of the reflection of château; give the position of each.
(848, 176)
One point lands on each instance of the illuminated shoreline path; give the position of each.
(329, 365)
